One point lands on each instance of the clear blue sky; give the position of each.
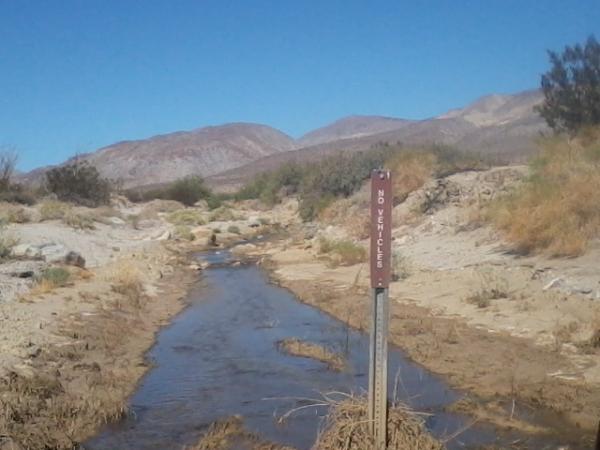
(80, 74)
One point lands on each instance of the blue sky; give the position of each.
(80, 74)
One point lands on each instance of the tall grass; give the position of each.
(557, 210)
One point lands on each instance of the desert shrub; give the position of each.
(233, 229)
(127, 281)
(184, 232)
(216, 230)
(264, 221)
(491, 288)
(80, 183)
(189, 217)
(343, 252)
(188, 190)
(223, 214)
(58, 276)
(78, 220)
(318, 184)
(7, 242)
(401, 268)
(10, 213)
(53, 209)
(557, 209)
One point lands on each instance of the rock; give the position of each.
(27, 250)
(22, 269)
(57, 253)
(165, 236)
(555, 283)
(195, 267)
(116, 220)
(74, 259)
(253, 222)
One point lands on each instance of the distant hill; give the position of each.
(204, 152)
(227, 155)
(500, 126)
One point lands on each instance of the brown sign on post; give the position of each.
(381, 228)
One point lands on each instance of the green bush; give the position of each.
(57, 276)
(184, 232)
(188, 190)
(344, 252)
(188, 217)
(80, 183)
(233, 229)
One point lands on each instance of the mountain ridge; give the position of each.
(501, 124)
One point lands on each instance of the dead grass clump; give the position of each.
(557, 210)
(188, 217)
(50, 279)
(10, 213)
(184, 232)
(304, 349)
(224, 214)
(410, 171)
(128, 281)
(491, 288)
(230, 433)
(342, 252)
(7, 242)
(351, 213)
(53, 209)
(38, 411)
(401, 266)
(347, 427)
(79, 220)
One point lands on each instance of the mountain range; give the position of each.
(502, 126)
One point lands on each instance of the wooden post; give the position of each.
(381, 238)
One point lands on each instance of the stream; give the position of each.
(219, 358)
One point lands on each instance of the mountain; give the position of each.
(351, 127)
(502, 126)
(204, 151)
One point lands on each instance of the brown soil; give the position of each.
(297, 347)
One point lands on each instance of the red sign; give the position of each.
(381, 228)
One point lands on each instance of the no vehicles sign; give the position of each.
(381, 228)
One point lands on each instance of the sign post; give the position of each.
(381, 246)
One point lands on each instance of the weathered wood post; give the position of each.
(380, 256)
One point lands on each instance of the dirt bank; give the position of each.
(85, 349)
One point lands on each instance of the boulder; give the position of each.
(27, 251)
(57, 253)
(253, 222)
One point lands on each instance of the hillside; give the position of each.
(227, 155)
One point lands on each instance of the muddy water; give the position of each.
(219, 358)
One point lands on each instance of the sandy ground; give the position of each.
(524, 358)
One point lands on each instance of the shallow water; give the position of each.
(219, 358)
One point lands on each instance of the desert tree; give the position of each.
(572, 87)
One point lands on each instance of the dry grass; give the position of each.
(558, 209)
(53, 209)
(342, 252)
(296, 347)
(229, 434)
(491, 288)
(410, 171)
(351, 213)
(10, 213)
(184, 232)
(50, 279)
(79, 220)
(41, 411)
(347, 427)
(189, 217)
(127, 280)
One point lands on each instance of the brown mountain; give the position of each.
(501, 126)
(204, 151)
(228, 155)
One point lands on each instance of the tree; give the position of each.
(79, 182)
(8, 162)
(572, 88)
(188, 190)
